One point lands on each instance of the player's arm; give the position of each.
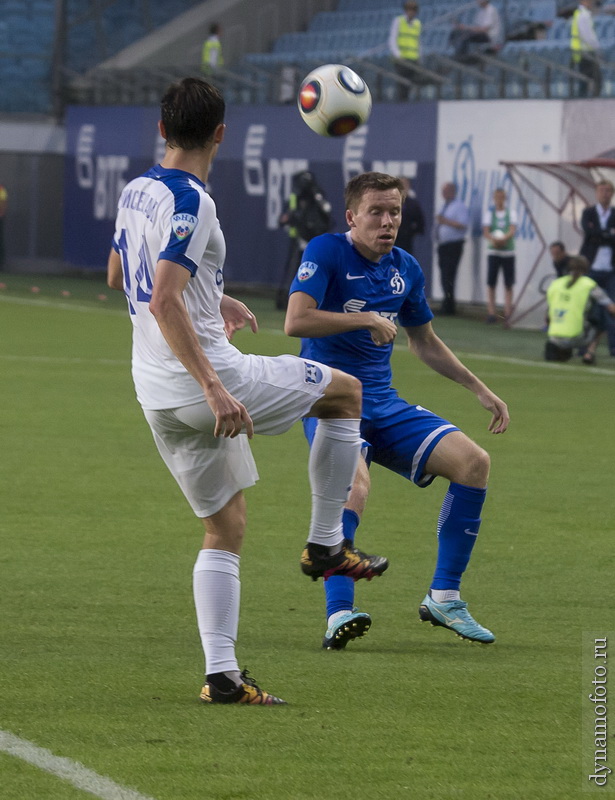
(427, 345)
(305, 319)
(167, 306)
(115, 279)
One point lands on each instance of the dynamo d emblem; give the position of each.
(306, 270)
(183, 225)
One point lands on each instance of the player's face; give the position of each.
(375, 222)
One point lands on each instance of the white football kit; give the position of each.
(166, 214)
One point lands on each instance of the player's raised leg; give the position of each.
(333, 461)
(466, 465)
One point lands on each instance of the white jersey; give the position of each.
(166, 214)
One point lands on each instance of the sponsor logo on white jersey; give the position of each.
(306, 270)
(183, 225)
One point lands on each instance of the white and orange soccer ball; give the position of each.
(333, 100)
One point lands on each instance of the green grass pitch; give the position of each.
(101, 661)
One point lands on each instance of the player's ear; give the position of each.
(350, 218)
(219, 133)
(163, 133)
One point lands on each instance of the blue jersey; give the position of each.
(340, 279)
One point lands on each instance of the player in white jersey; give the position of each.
(203, 398)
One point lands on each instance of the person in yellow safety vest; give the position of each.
(576, 313)
(211, 56)
(584, 49)
(405, 45)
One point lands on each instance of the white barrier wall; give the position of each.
(473, 139)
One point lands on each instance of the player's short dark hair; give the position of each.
(559, 244)
(366, 181)
(190, 111)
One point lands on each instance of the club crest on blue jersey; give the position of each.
(183, 225)
(398, 285)
(313, 373)
(306, 270)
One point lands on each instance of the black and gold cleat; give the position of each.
(247, 692)
(317, 562)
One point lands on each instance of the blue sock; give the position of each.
(339, 589)
(458, 526)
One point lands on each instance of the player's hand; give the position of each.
(231, 415)
(235, 315)
(381, 329)
(500, 417)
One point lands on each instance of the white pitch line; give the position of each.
(398, 347)
(67, 770)
(63, 305)
(108, 362)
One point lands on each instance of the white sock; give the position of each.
(444, 595)
(332, 465)
(216, 586)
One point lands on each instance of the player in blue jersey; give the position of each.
(201, 395)
(349, 292)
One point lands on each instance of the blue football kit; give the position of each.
(397, 434)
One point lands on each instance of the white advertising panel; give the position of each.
(473, 139)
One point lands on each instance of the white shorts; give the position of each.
(277, 391)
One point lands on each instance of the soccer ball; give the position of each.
(333, 100)
(498, 234)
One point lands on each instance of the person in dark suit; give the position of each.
(412, 219)
(598, 224)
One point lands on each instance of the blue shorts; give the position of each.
(398, 436)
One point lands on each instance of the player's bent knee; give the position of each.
(476, 467)
(342, 398)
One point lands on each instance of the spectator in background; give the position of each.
(577, 311)
(486, 29)
(307, 214)
(584, 49)
(412, 219)
(405, 45)
(499, 228)
(450, 232)
(598, 247)
(561, 259)
(3, 206)
(211, 57)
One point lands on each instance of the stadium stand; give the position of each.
(93, 32)
(356, 33)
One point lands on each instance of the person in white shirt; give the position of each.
(499, 229)
(203, 398)
(485, 29)
(450, 232)
(585, 49)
